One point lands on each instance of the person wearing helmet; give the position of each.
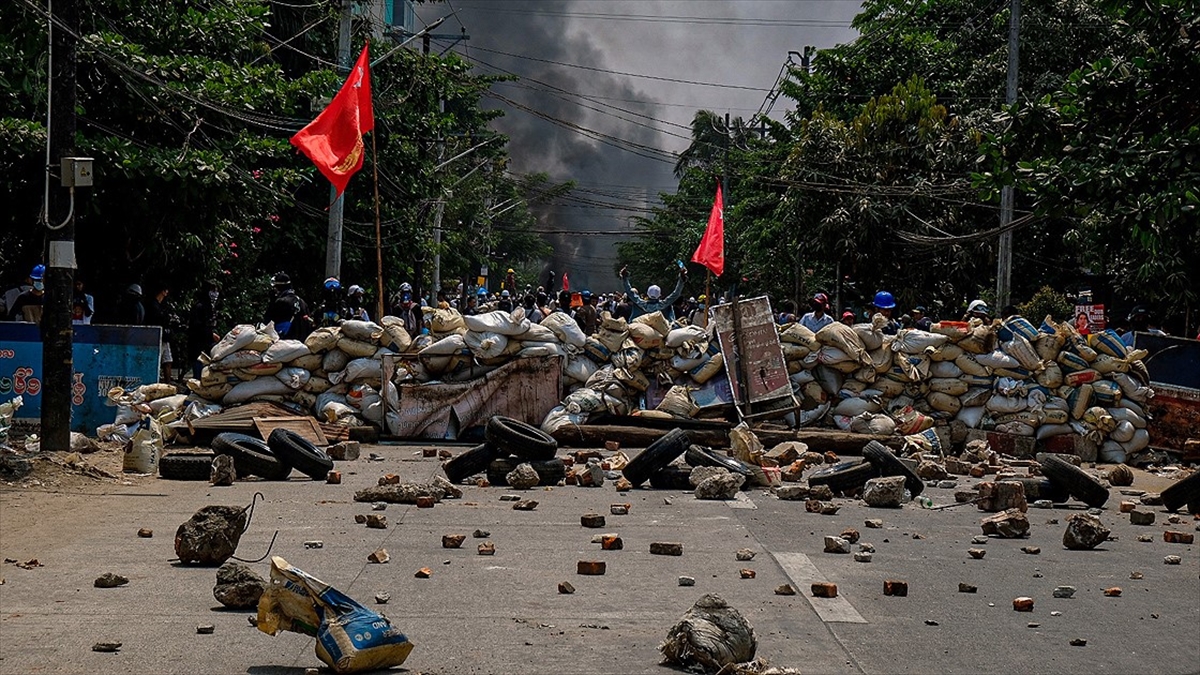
(819, 317)
(355, 306)
(408, 310)
(506, 303)
(654, 302)
(586, 316)
(978, 309)
(885, 304)
(510, 281)
(27, 304)
(130, 311)
(333, 303)
(847, 317)
(920, 321)
(287, 310)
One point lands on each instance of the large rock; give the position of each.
(238, 586)
(211, 535)
(1084, 531)
(703, 473)
(723, 486)
(1011, 524)
(929, 470)
(710, 637)
(885, 492)
(523, 477)
(222, 472)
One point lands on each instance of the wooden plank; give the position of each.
(818, 440)
(305, 427)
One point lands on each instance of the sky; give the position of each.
(608, 89)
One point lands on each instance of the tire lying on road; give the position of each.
(514, 437)
(845, 476)
(251, 456)
(469, 463)
(1082, 486)
(293, 449)
(659, 454)
(699, 455)
(1184, 492)
(890, 465)
(549, 471)
(186, 466)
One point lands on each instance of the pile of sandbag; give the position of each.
(1005, 375)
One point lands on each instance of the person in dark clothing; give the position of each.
(624, 309)
(506, 303)
(586, 316)
(333, 303)
(409, 311)
(287, 310)
(202, 324)
(654, 301)
(130, 311)
(158, 313)
(31, 297)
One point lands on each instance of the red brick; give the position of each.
(824, 589)
(590, 567)
(333, 477)
(896, 588)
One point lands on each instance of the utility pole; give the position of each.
(58, 364)
(1004, 250)
(438, 211)
(333, 243)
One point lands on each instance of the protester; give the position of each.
(355, 305)
(287, 310)
(586, 316)
(787, 313)
(130, 311)
(1141, 321)
(158, 313)
(885, 304)
(202, 324)
(564, 302)
(83, 305)
(408, 310)
(818, 318)
(333, 303)
(847, 317)
(978, 309)
(654, 301)
(11, 295)
(920, 321)
(505, 304)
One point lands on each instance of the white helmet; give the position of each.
(654, 292)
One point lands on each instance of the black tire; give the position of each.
(469, 463)
(186, 466)
(845, 476)
(698, 455)
(549, 471)
(298, 452)
(1183, 492)
(1043, 488)
(1074, 480)
(514, 437)
(251, 457)
(660, 453)
(890, 465)
(671, 478)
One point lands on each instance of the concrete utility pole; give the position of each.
(333, 243)
(438, 212)
(58, 364)
(1004, 250)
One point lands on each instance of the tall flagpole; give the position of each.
(378, 233)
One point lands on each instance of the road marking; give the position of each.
(803, 574)
(741, 501)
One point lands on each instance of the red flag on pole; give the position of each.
(711, 251)
(333, 141)
(566, 284)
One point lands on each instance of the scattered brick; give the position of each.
(824, 589)
(591, 520)
(565, 588)
(896, 588)
(1023, 604)
(487, 548)
(334, 477)
(453, 540)
(590, 567)
(380, 556)
(611, 542)
(666, 548)
(746, 573)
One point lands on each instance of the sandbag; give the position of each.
(947, 352)
(913, 341)
(1051, 375)
(1106, 392)
(980, 340)
(1106, 365)
(395, 334)
(1015, 429)
(293, 377)
(655, 320)
(679, 403)
(997, 359)
(630, 357)
(838, 334)
(889, 387)
(678, 336)
(317, 385)
(485, 345)
(708, 370)
(881, 360)
(944, 369)
(829, 379)
(1079, 399)
(1001, 404)
(210, 392)
(334, 361)
(1049, 345)
(1132, 390)
(357, 348)
(358, 370)
(871, 334)
(976, 397)
(244, 391)
(831, 355)
(872, 423)
(794, 352)
(911, 367)
(950, 386)
(971, 417)
(539, 333)
(1122, 414)
(1051, 430)
(970, 366)
(236, 360)
(1139, 442)
(236, 339)
(367, 331)
(443, 322)
(499, 322)
(258, 370)
(1020, 349)
(322, 339)
(799, 335)
(1021, 326)
(1108, 342)
(1079, 377)
(851, 407)
(284, 351)
(644, 336)
(566, 329)
(537, 349)
(954, 330)
(579, 369)
(944, 403)
(447, 346)
(308, 361)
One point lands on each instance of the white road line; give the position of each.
(803, 574)
(741, 501)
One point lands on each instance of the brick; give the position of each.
(590, 567)
(482, 482)
(747, 573)
(429, 452)
(619, 509)
(525, 505)
(611, 542)
(1010, 524)
(666, 548)
(1173, 537)
(568, 461)
(380, 556)
(785, 453)
(977, 553)
(423, 573)
(786, 589)
(1141, 517)
(425, 502)
(565, 588)
(487, 548)
(1126, 507)
(850, 534)
(582, 456)
(1114, 592)
(896, 588)
(389, 479)
(444, 454)
(453, 540)
(376, 521)
(831, 458)
(794, 472)
(1023, 604)
(824, 589)
(967, 588)
(344, 451)
(591, 520)
(623, 485)
(1001, 496)
(334, 478)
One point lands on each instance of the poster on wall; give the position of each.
(1089, 319)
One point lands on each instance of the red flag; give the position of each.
(333, 141)
(711, 251)
(566, 284)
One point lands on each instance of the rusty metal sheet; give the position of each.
(524, 389)
(767, 384)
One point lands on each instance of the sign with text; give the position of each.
(1089, 318)
(754, 338)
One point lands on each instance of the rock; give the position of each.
(1084, 531)
(850, 534)
(967, 588)
(1145, 538)
(980, 539)
(408, 493)
(376, 521)
(1042, 504)
(822, 492)
(360, 518)
(222, 473)
(836, 545)
(977, 553)
(623, 485)
(746, 573)
(207, 628)
(591, 520)
(686, 581)
(1113, 592)
(1127, 506)
(1078, 642)
(481, 534)
(145, 533)
(701, 473)
(824, 589)
(862, 556)
(745, 554)
(1173, 537)
(1033, 624)
(711, 636)
(794, 472)
(525, 505)
(425, 502)
(590, 567)
(379, 556)
(389, 479)
(1064, 591)
(382, 597)
(589, 475)
(1031, 550)
(1141, 517)
(423, 573)
(785, 589)
(565, 588)
(873, 523)
(1055, 613)
(787, 452)
(1120, 476)
(1172, 560)
(238, 586)
(1010, 524)
(107, 647)
(895, 588)
(110, 580)
(792, 493)
(453, 540)
(929, 470)
(964, 496)
(487, 548)
(333, 477)
(886, 492)
(721, 486)
(345, 451)
(1136, 575)
(611, 542)
(1151, 499)
(619, 509)
(211, 535)
(866, 547)
(523, 477)
(828, 509)
(1001, 496)
(314, 544)
(1023, 604)
(666, 548)
(947, 484)
(813, 506)
(612, 446)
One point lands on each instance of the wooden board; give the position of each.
(305, 427)
(818, 440)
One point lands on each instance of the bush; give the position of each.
(1047, 301)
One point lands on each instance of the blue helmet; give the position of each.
(332, 284)
(481, 292)
(37, 272)
(884, 300)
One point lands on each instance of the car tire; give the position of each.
(1074, 480)
(549, 471)
(699, 455)
(844, 477)
(293, 449)
(469, 463)
(659, 454)
(251, 456)
(186, 466)
(514, 437)
(1182, 493)
(890, 465)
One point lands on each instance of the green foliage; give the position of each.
(1047, 302)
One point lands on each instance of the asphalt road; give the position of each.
(503, 614)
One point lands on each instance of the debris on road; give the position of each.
(487, 548)
(591, 520)
(1113, 592)
(977, 553)
(453, 540)
(1172, 560)
(1084, 532)
(836, 545)
(211, 535)
(110, 580)
(376, 522)
(1064, 592)
(523, 477)
(895, 588)
(525, 505)
(222, 473)
(238, 586)
(565, 588)
(886, 492)
(1011, 524)
(711, 636)
(205, 629)
(824, 589)
(745, 554)
(423, 573)
(315, 543)
(107, 647)
(746, 573)
(590, 567)
(382, 597)
(686, 581)
(720, 486)
(379, 556)
(145, 533)
(1023, 604)
(785, 589)
(666, 548)
(967, 588)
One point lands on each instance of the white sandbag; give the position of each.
(871, 334)
(541, 349)
(655, 320)
(944, 369)
(1050, 430)
(536, 333)
(284, 351)
(359, 370)
(236, 339)
(485, 345)
(1139, 442)
(335, 411)
(240, 359)
(1051, 375)
(970, 366)
(559, 417)
(395, 334)
(1122, 414)
(838, 334)
(579, 369)
(367, 331)
(944, 403)
(447, 346)
(1133, 406)
(801, 378)
(357, 348)
(971, 416)
(829, 379)
(334, 361)
(975, 397)
(293, 377)
(1020, 349)
(914, 341)
(1015, 429)
(308, 361)
(851, 407)
(443, 322)
(950, 386)
(1132, 389)
(678, 402)
(911, 367)
(629, 357)
(881, 360)
(1001, 404)
(1123, 432)
(997, 359)
(678, 336)
(1105, 365)
(890, 387)
(1111, 452)
(175, 402)
(263, 386)
(947, 352)
(500, 322)
(1049, 345)
(800, 335)
(794, 352)
(322, 339)
(566, 329)
(644, 336)
(865, 374)
(831, 355)
(872, 423)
